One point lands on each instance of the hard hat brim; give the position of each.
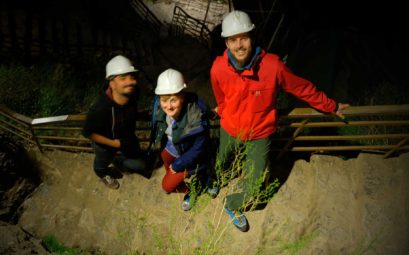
(108, 77)
(225, 35)
(169, 91)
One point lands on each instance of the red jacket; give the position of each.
(247, 100)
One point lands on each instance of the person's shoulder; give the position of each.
(271, 57)
(219, 61)
(192, 97)
(101, 103)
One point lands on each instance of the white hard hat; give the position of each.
(236, 22)
(170, 82)
(119, 65)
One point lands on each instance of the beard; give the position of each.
(243, 59)
(129, 93)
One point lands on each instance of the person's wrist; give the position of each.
(336, 107)
(117, 143)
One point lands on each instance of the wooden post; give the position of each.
(400, 144)
(296, 133)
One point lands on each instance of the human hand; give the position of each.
(171, 169)
(213, 113)
(341, 107)
(116, 143)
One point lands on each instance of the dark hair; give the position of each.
(251, 34)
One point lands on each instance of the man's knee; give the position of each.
(134, 164)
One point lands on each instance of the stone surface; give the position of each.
(13, 240)
(326, 206)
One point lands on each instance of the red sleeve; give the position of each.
(304, 90)
(217, 91)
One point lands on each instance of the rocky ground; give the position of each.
(326, 205)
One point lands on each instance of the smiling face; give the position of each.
(123, 85)
(172, 104)
(240, 47)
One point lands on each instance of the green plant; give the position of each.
(257, 190)
(134, 224)
(182, 233)
(290, 248)
(53, 245)
(195, 188)
(18, 89)
(51, 87)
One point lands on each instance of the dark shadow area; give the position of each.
(20, 176)
(280, 170)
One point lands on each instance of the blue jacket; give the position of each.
(190, 134)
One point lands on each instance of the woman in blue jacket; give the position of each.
(182, 128)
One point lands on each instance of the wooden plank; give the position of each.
(342, 148)
(78, 139)
(18, 134)
(9, 113)
(290, 141)
(57, 128)
(343, 137)
(351, 123)
(397, 147)
(351, 111)
(21, 129)
(67, 147)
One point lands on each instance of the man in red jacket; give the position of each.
(245, 82)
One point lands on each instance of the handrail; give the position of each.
(143, 11)
(70, 48)
(64, 132)
(183, 23)
(351, 111)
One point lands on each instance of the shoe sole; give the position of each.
(110, 185)
(243, 225)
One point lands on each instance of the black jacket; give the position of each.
(113, 121)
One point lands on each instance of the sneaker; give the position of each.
(186, 205)
(213, 191)
(239, 220)
(110, 182)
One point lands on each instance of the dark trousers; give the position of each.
(254, 166)
(128, 161)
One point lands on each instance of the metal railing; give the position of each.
(26, 32)
(143, 11)
(183, 23)
(374, 128)
(383, 128)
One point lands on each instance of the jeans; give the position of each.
(104, 156)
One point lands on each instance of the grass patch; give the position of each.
(51, 243)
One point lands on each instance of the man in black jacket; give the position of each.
(110, 123)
